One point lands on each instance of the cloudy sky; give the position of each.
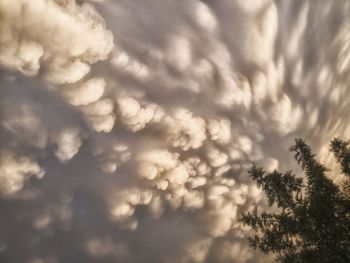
(127, 126)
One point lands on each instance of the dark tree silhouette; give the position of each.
(312, 222)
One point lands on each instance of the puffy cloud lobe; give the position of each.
(62, 44)
(58, 43)
(15, 169)
(124, 63)
(185, 130)
(68, 143)
(77, 38)
(132, 115)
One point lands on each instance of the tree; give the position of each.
(312, 222)
(341, 152)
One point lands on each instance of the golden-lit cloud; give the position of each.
(127, 127)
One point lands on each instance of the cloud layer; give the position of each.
(127, 127)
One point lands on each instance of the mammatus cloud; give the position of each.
(127, 127)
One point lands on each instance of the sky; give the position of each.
(127, 127)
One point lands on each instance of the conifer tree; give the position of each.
(312, 219)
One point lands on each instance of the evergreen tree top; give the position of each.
(313, 220)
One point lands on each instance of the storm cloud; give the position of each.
(127, 127)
